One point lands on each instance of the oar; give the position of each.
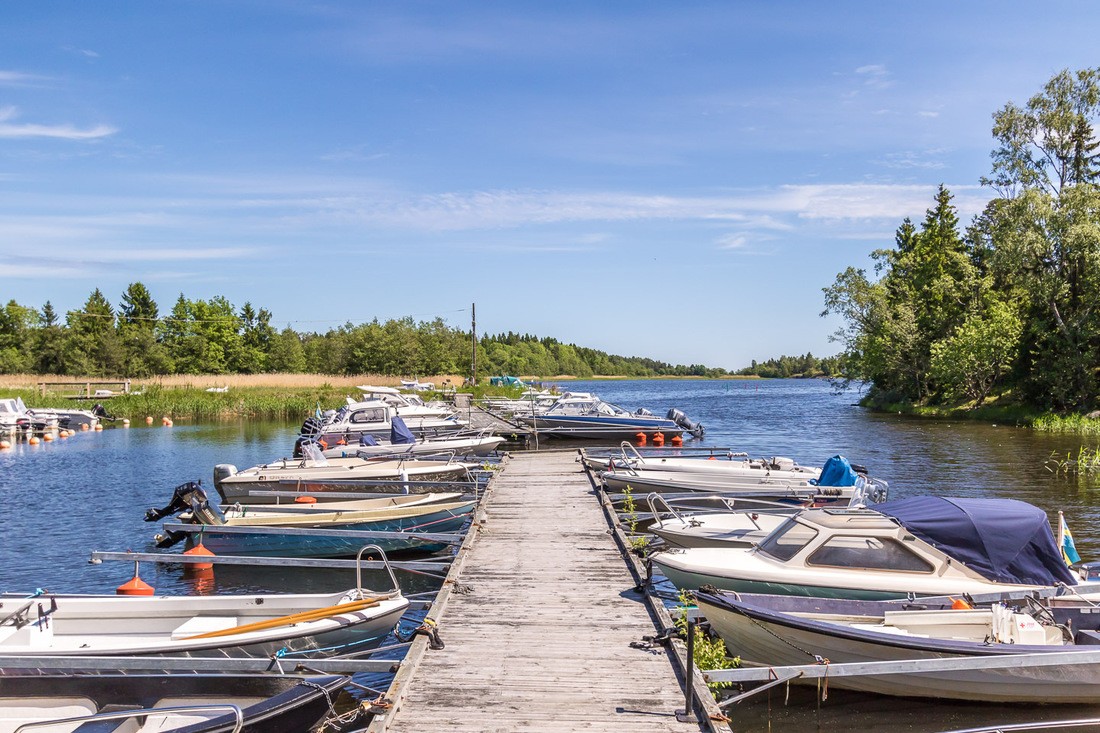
(294, 618)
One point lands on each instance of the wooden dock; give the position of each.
(538, 622)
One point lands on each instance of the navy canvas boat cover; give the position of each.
(837, 471)
(400, 433)
(1005, 540)
(367, 439)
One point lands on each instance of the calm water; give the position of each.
(90, 492)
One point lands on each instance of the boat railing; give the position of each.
(395, 587)
(189, 710)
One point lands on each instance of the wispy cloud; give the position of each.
(19, 79)
(875, 76)
(10, 129)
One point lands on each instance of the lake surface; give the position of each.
(90, 492)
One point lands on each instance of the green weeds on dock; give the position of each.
(710, 651)
(638, 541)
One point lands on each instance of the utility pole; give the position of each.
(473, 343)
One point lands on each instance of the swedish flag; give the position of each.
(1065, 542)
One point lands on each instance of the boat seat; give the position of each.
(1087, 637)
(16, 712)
(203, 624)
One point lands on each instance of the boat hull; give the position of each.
(281, 544)
(762, 640)
(200, 626)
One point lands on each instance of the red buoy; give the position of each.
(200, 550)
(135, 586)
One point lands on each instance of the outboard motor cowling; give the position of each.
(685, 422)
(223, 471)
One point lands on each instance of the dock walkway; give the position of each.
(538, 628)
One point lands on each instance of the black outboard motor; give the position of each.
(685, 422)
(101, 412)
(188, 496)
(311, 430)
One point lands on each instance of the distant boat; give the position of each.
(587, 416)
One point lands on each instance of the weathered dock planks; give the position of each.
(539, 626)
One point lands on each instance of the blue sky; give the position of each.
(672, 180)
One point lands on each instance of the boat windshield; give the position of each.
(785, 542)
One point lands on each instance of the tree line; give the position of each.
(135, 339)
(1008, 305)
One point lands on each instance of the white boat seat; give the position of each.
(203, 624)
(14, 713)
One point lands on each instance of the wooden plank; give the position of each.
(540, 637)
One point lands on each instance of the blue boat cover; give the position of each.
(400, 433)
(1005, 540)
(836, 472)
(367, 439)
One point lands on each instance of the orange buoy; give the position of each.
(712, 458)
(47, 437)
(98, 428)
(658, 438)
(677, 441)
(640, 438)
(168, 423)
(33, 440)
(960, 604)
(148, 419)
(135, 586)
(86, 426)
(5, 444)
(199, 550)
(305, 500)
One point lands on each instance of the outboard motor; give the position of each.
(189, 496)
(101, 412)
(223, 471)
(685, 422)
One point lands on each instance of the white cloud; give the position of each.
(875, 76)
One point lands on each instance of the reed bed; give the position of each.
(185, 397)
(1077, 424)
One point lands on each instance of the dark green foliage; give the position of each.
(1014, 305)
(213, 337)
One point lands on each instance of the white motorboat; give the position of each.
(777, 631)
(924, 546)
(718, 465)
(72, 419)
(742, 526)
(220, 625)
(373, 417)
(587, 416)
(310, 475)
(15, 418)
(403, 442)
(406, 406)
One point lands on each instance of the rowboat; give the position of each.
(777, 631)
(196, 626)
(167, 703)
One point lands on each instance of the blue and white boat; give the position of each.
(587, 416)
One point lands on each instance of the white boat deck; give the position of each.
(538, 629)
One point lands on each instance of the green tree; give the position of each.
(972, 361)
(138, 315)
(16, 328)
(49, 343)
(92, 344)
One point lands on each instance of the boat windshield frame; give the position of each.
(774, 547)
